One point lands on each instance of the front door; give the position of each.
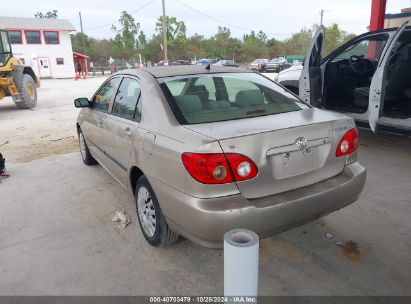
(93, 122)
(44, 67)
(377, 88)
(310, 83)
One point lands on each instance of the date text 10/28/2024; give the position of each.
(203, 299)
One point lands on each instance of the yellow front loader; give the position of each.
(16, 79)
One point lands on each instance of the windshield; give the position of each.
(226, 96)
(5, 51)
(275, 60)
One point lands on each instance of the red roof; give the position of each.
(75, 55)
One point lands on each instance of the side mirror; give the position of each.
(82, 102)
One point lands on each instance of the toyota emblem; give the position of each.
(301, 142)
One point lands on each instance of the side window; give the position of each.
(103, 97)
(369, 48)
(127, 98)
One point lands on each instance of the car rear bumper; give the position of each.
(205, 221)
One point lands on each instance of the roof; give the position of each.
(75, 54)
(181, 70)
(396, 16)
(35, 24)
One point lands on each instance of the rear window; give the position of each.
(226, 96)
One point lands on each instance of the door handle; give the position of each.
(128, 132)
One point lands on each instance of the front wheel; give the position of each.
(152, 221)
(88, 159)
(27, 91)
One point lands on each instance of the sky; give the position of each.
(278, 19)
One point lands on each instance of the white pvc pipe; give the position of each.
(240, 263)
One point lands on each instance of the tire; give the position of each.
(27, 90)
(84, 151)
(150, 217)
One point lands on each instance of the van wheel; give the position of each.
(152, 221)
(85, 152)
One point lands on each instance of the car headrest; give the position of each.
(249, 98)
(201, 91)
(189, 103)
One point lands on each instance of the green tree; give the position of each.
(50, 14)
(77, 42)
(334, 37)
(175, 29)
(299, 42)
(276, 48)
(254, 46)
(125, 41)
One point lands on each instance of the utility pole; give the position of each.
(322, 14)
(165, 33)
(82, 34)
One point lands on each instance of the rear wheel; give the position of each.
(27, 91)
(152, 221)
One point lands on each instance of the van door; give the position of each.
(377, 88)
(310, 83)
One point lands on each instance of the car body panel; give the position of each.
(259, 65)
(283, 166)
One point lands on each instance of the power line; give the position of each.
(117, 21)
(226, 23)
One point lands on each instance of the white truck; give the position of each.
(368, 78)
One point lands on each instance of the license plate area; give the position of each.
(287, 163)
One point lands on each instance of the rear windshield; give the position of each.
(226, 96)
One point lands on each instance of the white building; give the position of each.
(43, 43)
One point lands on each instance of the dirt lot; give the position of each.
(47, 129)
(56, 236)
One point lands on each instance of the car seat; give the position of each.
(201, 91)
(361, 97)
(247, 98)
(189, 103)
(399, 77)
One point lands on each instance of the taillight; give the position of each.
(348, 143)
(218, 168)
(243, 168)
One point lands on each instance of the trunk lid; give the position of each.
(271, 143)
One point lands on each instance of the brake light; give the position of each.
(242, 167)
(348, 143)
(218, 168)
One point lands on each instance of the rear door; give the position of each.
(121, 127)
(310, 83)
(377, 88)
